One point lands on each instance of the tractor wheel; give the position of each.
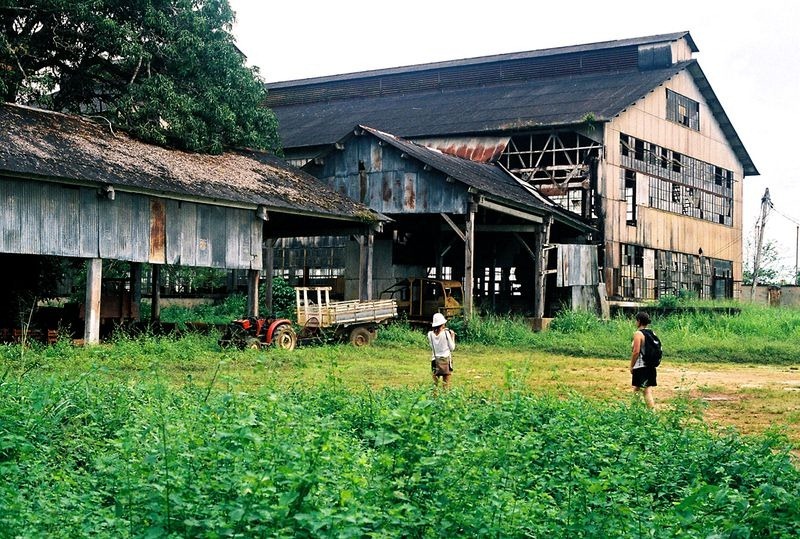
(284, 337)
(360, 336)
(253, 344)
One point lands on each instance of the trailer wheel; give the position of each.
(360, 336)
(284, 337)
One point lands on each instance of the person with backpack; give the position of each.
(645, 358)
(443, 342)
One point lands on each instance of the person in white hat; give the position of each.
(443, 342)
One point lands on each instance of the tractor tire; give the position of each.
(284, 337)
(253, 344)
(360, 336)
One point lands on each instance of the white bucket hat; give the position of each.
(439, 320)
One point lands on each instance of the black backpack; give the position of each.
(652, 349)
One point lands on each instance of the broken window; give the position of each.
(682, 184)
(682, 110)
(630, 197)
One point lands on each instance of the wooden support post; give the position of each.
(269, 272)
(469, 259)
(136, 286)
(439, 254)
(94, 279)
(155, 296)
(541, 268)
(252, 292)
(366, 244)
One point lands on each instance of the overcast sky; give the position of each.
(749, 52)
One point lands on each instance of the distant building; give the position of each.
(627, 137)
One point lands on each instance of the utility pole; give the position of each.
(766, 205)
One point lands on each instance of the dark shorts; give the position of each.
(644, 377)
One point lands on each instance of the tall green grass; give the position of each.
(87, 456)
(755, 335)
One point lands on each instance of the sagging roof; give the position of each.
(490, 95)
(488, 179)
(49, 145)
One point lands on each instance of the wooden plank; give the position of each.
(218, 236)
(237, 224)
(189, 243)
(30, 225)
(252, 292)
(203, 246)
(174, 232)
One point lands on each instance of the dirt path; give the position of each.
(752, 398)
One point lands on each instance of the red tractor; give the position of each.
(256, 333)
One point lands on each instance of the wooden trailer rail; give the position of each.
(314, 309)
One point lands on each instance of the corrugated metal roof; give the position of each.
(473, 110)
(488, 179)
(480, 149)
(44, 144)
(539, 53)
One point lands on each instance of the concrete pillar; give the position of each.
(94, 279)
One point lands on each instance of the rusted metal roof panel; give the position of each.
(44, 144)
(480, 149)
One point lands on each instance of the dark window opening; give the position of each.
(630, 197)
(682, 110)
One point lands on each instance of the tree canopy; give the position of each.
(166, 71)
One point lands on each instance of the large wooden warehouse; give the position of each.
(626, 136)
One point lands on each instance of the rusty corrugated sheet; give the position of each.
(480, 149)
(158, 232)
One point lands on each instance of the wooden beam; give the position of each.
(505, 229)
(94, 279)
(541, 268)
(499, 208)
(453, 225)
(469, 260)
(366, 252)
(526, 247)
(252, 292)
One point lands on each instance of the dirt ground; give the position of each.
(753, 398)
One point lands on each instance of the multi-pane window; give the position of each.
(650, 274)
(682, 110)
(679, 183)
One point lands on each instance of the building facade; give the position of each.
(628, 136)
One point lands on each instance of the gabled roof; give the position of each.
(490, 180)
(490, 95)
(53, 146)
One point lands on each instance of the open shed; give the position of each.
(464, 218)
(71, 187)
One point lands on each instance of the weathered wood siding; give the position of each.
(62, 220)
(379, 177)
(659, 229)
